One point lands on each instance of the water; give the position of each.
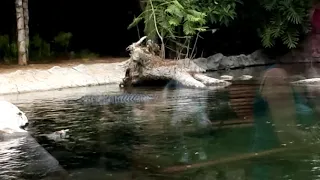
(167, 138)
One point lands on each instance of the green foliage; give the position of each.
(181, 20)
(286, 20)
(8, 49)
(63, 40)
(191, 15)
(40, 48)
(87, 55)
(220, 12)
(276, 21)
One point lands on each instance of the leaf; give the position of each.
(270, 5)
(201, 29)
(293, 15)
(175, 2)
(187, 29)
(196, 13)
(267, 40)
(174, 10)
(135, 22)
(174, 21)
(290, 39)
(277, 27)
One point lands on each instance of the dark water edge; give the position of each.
(141, 140)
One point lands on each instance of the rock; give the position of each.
(13, 120)
(226, 77)
(297, 77)
(227, 62)
(58, 135)
(221, 62)
(245, 77)
(201, 62)
(23, 156)
(211, 81)
(312, 81)
(213, 62)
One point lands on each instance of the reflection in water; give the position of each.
(23, 158)
(169, 137)
(282, 117)
(192, 107)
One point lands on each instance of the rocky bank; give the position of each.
(221, 62)
(82, 75)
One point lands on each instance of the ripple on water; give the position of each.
(138, 138)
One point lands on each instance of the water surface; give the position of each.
(167, 138)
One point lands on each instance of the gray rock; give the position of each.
(245, 77)
(226, 77)
(227, 62)
(221, 62)
(214, 61)
(201, 62)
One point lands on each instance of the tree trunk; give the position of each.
(26, 25)
(22, 56)
(144, 66)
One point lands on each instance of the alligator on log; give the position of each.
(146, 66)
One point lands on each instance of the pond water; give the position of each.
(165, 138)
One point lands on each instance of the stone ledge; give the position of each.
(55, 78)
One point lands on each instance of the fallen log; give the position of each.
(144, 65)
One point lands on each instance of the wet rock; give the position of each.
(226, 77)
(214, 61)
(58, 135)
(201, 62)
(13, 120)
(245, 77)
(311, 81)
(221, 62)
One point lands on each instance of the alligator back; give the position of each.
(113, 99)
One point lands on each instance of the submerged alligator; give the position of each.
(128, 98)
(113, 99)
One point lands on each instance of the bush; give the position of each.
(62, 40)
(39, 48)
(286, 20)
(8, 49)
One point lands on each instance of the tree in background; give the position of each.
(26, 25)
(22, 31)
(180, 22)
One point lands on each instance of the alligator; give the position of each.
(113, 99)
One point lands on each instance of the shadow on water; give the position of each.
(181, 134)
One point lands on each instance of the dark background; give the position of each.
(102, 28)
